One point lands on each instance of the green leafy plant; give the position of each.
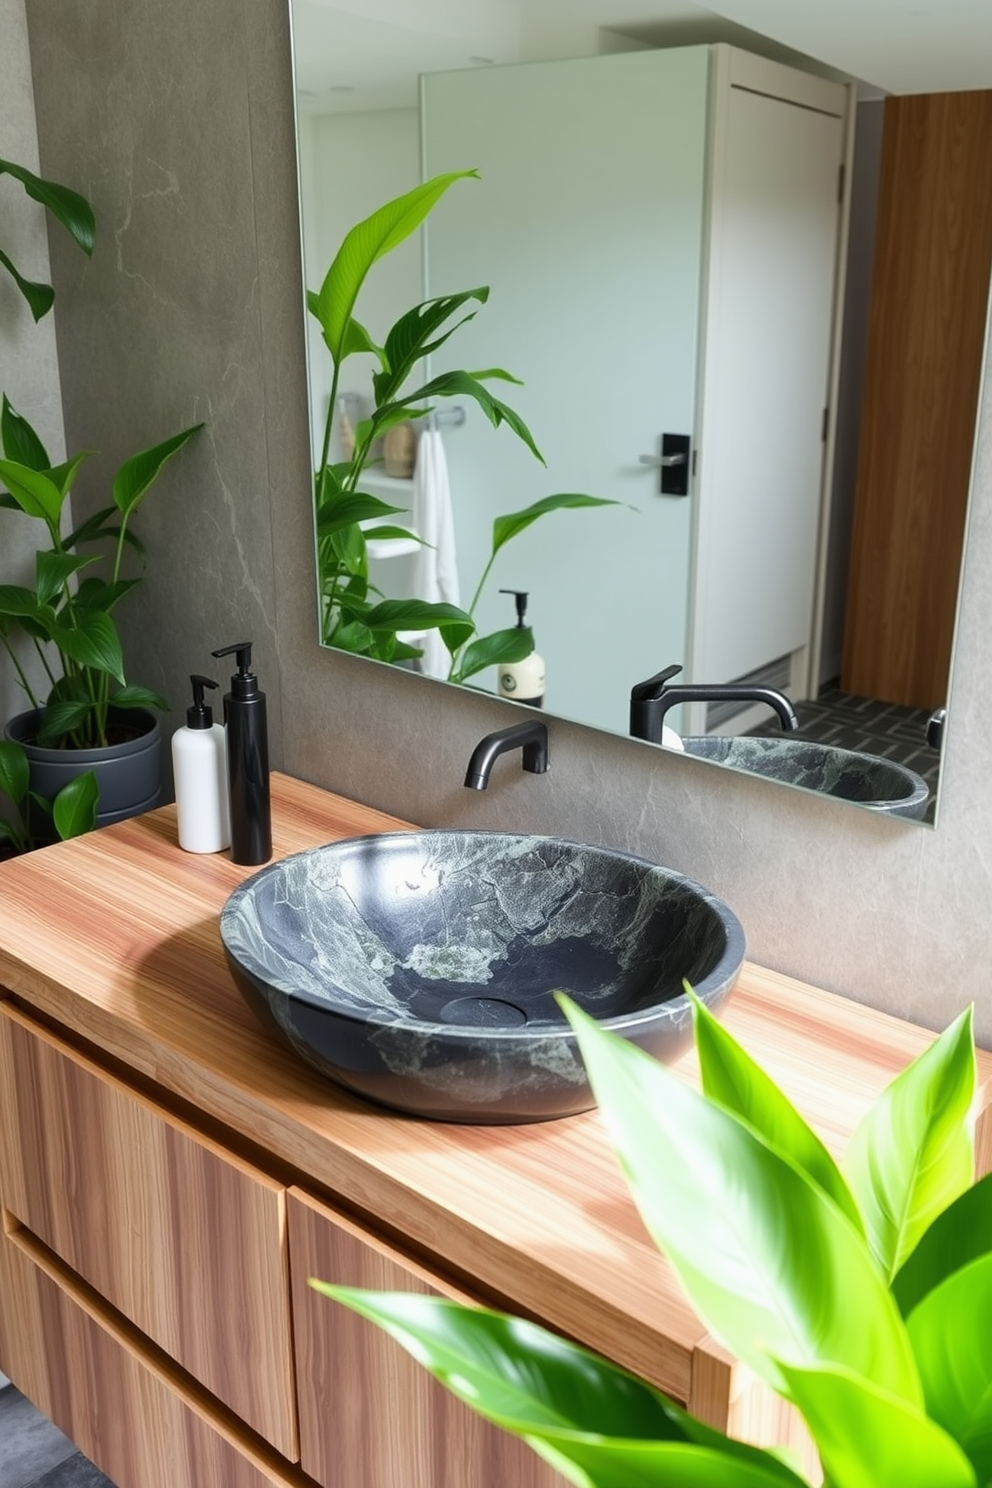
(861, 1293)
(353, 615)
(71, 614)
(67, 207)
(72, 812)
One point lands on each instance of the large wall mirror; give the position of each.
(710, 258)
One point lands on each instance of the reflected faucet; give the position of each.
(531, 737)
(651, 700)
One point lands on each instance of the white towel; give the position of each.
(435, 568)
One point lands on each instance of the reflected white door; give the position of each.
(588, 227)
(773, 247)
(634, 209)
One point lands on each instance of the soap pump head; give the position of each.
(244, 683)
(521, 597)
(200, 715)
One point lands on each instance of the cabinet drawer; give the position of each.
(370, 1417)
(117, 1404)
(187, 1241)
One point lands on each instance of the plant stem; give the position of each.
(21, 674)
(453, 669)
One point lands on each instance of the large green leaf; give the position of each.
(92, 642)
(351, 636)
(410, 341)
(501, 647)
(508, 526)
(592, 1462)
(98, 594)
(771, 1264)
(547, 1390)
(66, 206)
(138, 473)
(418, 614)
(367, 242)
(14, 771)
(469, 385)
(867, 1438)
(63, 716)
(35, 492)
(354, 506)
(951, 1334)
(345, 548)
(732, 1078)
(17, 601)
(52, 570)
(912, 1154)
(74, 808)
(19, 441)
(962, 1233)
(138, 697)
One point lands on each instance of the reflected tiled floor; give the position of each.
(882, 729)
(35, 1454)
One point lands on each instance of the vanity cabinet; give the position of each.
(356, 1383)
(171, 1177)
(132, 1414)
(187, 1242)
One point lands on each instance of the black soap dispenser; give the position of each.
(247, 761)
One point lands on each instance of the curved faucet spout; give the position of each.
(651, 700)
(531, 737)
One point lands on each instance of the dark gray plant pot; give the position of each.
(129, 774)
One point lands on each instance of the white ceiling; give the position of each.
(367, 54)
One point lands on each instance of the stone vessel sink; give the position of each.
(418, 968)
(880, 784)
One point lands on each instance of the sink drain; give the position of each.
(482, 1012)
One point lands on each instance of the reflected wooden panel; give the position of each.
(926, 344)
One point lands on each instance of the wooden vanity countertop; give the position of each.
(114, 937)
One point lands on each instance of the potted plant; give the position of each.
(89, 717)
(353, 615)
(861, 1293)
(72, 812)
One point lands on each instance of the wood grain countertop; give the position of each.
(114, 938)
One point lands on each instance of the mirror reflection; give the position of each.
(680, 247)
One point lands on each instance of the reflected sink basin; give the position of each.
(880, 784)
(418, 968)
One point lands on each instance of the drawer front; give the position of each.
(370, 1417)
(188, 1242)
(119, 1406)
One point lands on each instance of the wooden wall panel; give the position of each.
(926, 342)
(187, 1241)
(370, 1417)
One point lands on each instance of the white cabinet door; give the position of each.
(587, 225)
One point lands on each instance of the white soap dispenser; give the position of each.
(522, 681)
(199, 762)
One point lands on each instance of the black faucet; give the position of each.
(532, 737)
(651, 700)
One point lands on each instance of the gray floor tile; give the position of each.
(29, 1444)
(76, 1472)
